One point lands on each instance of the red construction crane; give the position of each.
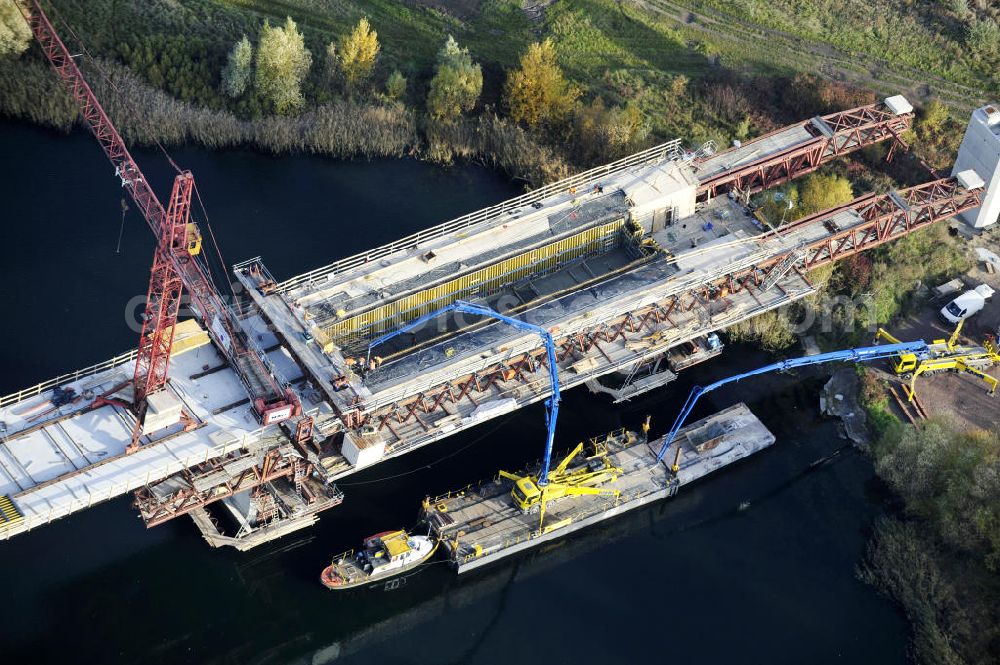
(177, 264)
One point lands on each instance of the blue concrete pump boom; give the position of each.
(863, 354)
(551, 404)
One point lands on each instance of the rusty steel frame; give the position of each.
(851, 130)
(886, 217)
(155, 511)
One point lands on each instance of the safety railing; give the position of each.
(63, 379)
(664, 151)
(343, 556)
(84, 498)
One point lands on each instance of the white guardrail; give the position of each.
(38, 389)
(83, 501)
(670, 149)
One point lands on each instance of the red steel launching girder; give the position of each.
(833, 136)
(156, 510)
(169, 267)
(883, 218)
(886, 217)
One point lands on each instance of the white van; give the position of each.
(966, 304)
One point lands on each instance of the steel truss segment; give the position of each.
(155, 511)
(884, 220)
(848, 131)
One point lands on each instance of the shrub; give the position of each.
(15, 36)
(239, 68)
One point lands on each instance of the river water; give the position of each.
(754, 564)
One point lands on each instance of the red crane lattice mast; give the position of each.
(176, 263)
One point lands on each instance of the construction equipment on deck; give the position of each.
(551, 404)
(530, 496)
(863, 354)
(945, 356)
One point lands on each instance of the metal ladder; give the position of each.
(267, 509)
(781, 269)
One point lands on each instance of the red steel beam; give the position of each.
(849, 131)
(885, 217)
(156, 511)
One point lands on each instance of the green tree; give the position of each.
(456, 85)
(819, 192)
(357, 53)
(395, 86)
(239, 68)
(538, 91)
(282, 63)
(14, 32)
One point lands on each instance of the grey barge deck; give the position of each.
(479, 524)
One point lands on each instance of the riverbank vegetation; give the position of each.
(954, 39)
(940, 555)
(581, 82)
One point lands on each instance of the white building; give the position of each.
(980, 151)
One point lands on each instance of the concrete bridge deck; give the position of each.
(622, 264)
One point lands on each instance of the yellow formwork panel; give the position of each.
(487, 279)
(9, 514)
(189, 335)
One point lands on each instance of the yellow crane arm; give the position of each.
(588, 491)
(882, 333)
(953, 340)
(561, 469)
(992, 381)
(949, 363)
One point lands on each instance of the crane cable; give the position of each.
(218, 251)
(103, 74)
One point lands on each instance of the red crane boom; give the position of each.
(175, 263)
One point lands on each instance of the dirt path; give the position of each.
(857, 68)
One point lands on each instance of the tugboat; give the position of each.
(384, 555)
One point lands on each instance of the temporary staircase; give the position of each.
(9, 514)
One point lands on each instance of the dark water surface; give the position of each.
(694, 579)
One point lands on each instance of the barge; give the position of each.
(480, 524)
